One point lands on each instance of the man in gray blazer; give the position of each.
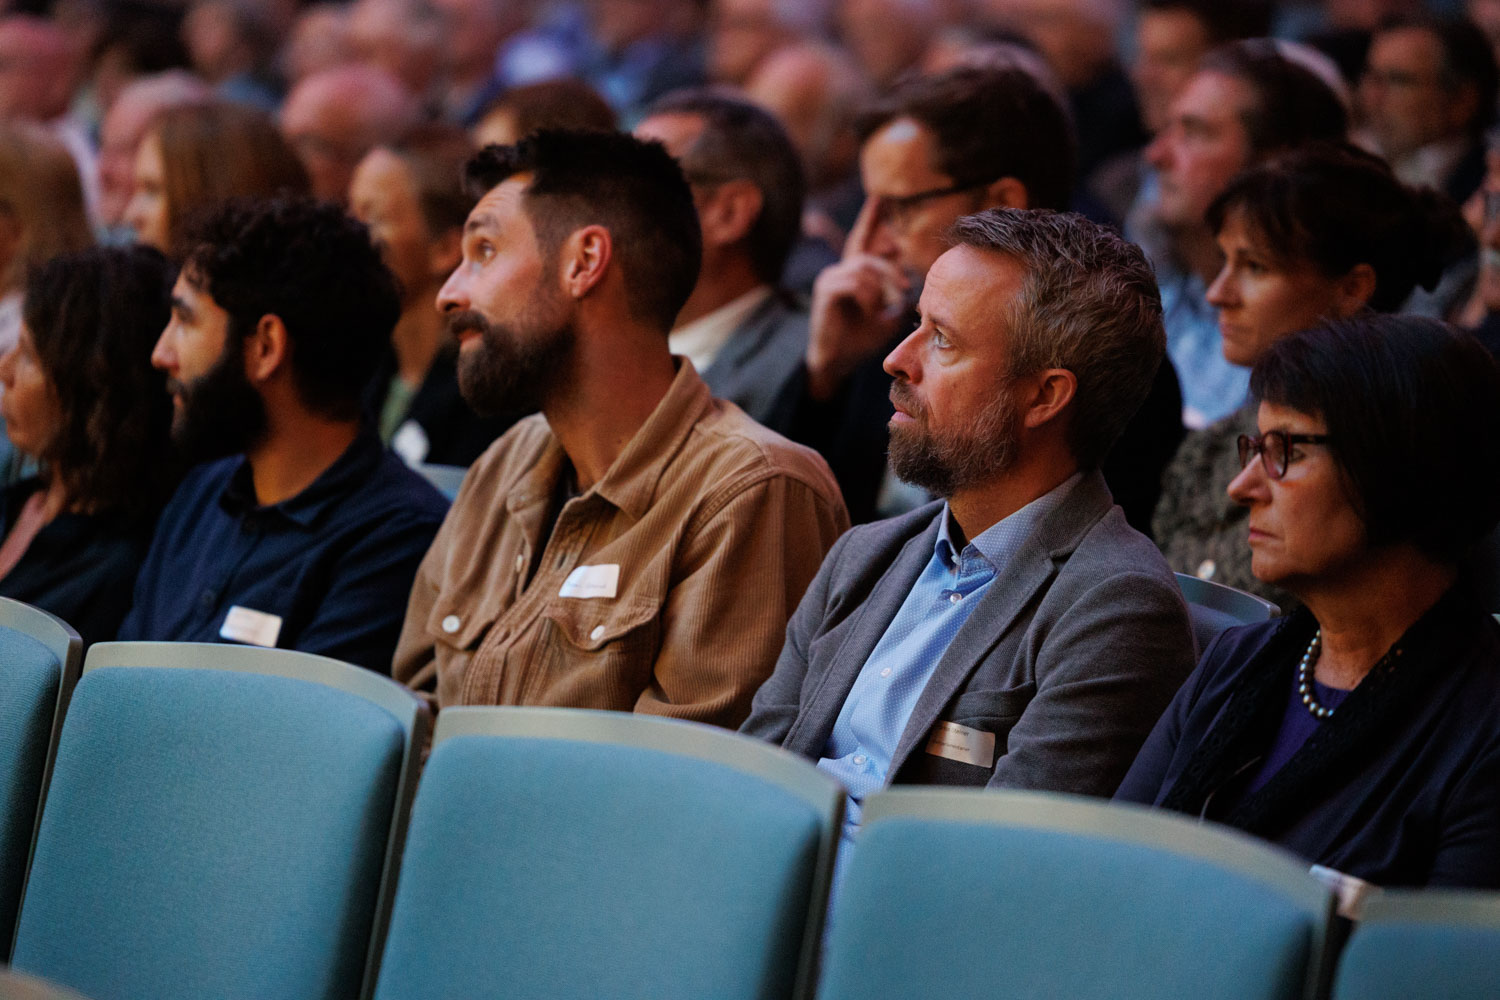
(742, 332)
(1018, 633)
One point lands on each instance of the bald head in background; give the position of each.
(815, 91)
(38, 69)
(333, 118)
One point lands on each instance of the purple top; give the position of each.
(1297, 724)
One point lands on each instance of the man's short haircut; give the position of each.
(435, 155)
(1291, 106)
(1089, 303)
(741, 141)
(989, 123)
(1412, 407)
(632, 188)
(1468, 59)
(1222, 20)
(316, 269)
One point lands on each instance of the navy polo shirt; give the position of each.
(327, 571)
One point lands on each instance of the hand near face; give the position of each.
(857, 307)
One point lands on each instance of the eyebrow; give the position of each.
(480, 221)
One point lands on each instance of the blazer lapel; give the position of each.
(1029, 570)
(809, 734)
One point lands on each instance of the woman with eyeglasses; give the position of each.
(1321, 233)
(1362, 731)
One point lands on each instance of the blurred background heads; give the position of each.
(742, 33)
(131, 113)
(520, 111)
(333, 118)
(193, 157)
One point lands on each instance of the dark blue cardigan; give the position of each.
(1400, 787)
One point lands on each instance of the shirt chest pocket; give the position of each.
(596, 653)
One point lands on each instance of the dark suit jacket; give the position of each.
(1400, 787)
(761, 357)
(1072, 654)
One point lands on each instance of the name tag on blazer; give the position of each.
(960, 743)
(257, 628)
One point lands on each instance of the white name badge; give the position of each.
(250, 626)
(960, 743)
(592, 581)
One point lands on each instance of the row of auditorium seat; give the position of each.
(229, 822)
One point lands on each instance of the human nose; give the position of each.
(1157, 152)
(1222, 292)
(453, 296)
(162, 355)
(904, 361)
(1250, 484)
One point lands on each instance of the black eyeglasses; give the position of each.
(898, 212)
(1274, 449)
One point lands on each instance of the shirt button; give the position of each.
(451, 624)
(955, 598)
(860, 759)
(598, 631)
(1206, 569)
(520, 564)
(886, 672)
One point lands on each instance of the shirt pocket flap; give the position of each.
(592, 625)
(997, 704)
(457, 624)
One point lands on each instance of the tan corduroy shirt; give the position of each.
(665, 588)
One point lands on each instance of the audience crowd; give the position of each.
(1048, 299)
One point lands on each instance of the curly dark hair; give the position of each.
(315, 268)
(632, 188)
(94, 317)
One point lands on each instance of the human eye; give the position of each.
(940, 340)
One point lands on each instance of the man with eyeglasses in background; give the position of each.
(939, 148)
(1425, 98)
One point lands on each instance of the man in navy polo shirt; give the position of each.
(308, 536)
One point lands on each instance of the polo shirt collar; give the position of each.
(345, 474)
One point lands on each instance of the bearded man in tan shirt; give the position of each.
(637, 545)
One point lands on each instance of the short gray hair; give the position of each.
(1089, 303)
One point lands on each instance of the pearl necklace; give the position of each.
(1304, 679)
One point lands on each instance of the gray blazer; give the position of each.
(1070, 658)
(760, 357)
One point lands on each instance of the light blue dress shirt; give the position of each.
(1211, 387)
(869, 727)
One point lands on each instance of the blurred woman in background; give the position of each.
(1321, 233)
(41, 213)
(82, 397)
(195, 157)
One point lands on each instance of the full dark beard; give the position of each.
(944, 463)
(507, 376)
(221, 412)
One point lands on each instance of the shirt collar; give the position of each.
(1001, 540)
(335, 483)
(630, 482)
(701, 340)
